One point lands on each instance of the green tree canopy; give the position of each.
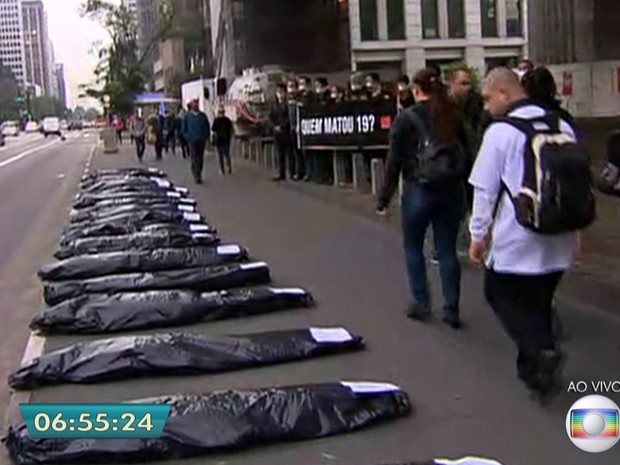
(119, 73)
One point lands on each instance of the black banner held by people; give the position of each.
(346, 125)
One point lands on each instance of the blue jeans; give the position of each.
(444, 210)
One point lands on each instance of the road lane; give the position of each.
(35, 195)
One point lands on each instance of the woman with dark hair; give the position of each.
(428, 145)
(540, 86)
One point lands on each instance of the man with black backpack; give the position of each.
(533, 193)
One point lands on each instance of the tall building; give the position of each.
(397, 36)
(579, 41)
(147, 17)
(59, 77)
(11, 39)
(310, 36)
(36, 44)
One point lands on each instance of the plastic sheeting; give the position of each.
(229, 421)
(131, 261)
(90, 200)
(137, 220)
(125, 228)
(92, 205)
(140, 241)
(81, 216)
(177, 354)
(204, 279)
(102, 313)
(461, 461)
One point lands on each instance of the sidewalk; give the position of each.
(462, 385)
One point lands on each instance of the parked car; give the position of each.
(51, 125)
(32, 126)
(10, 129)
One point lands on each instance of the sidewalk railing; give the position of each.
(262, 153)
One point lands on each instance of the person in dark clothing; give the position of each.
(442, 206)
(171, 137)
(222, 129)
(470, 101)
(178, 129)
(540, 86)
(138, 133)
(336, 94)
(322, 163)
(196, 130)
(280, 120)
(405, 96)
(375, 89)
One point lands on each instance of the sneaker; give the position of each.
(434, 260)
(418, 312)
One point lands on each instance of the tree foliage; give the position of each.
(120, 71)
(9, 107)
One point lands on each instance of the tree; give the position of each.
(91, 114)
(9, 93)
(119, 74)
(46, 106)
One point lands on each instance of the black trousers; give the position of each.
(286, 158)
(197, 152)
(140, 146)
(523, 305)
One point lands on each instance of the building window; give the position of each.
(396, 19)
(456, 19)
(430, 21)
(513, 18)
(368, 20)
(488, 19)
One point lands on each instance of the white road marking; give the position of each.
(25, 154)
(61, 175)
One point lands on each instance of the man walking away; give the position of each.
(138, 134)
(196, 130)
(533, 225)
(222, 131)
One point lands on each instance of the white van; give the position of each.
(51, 125)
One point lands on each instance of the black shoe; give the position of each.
(451, 318)
(548, 379)
(198, 181)
(278, 179)
(418, 312)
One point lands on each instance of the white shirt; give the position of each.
(514, 249)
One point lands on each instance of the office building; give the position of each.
(147, 18)
(397, 36)
(579, 41)
(11, 38)
(59, 78)
(38, 67)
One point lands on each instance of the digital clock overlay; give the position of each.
(95, 421)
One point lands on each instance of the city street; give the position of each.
(462, 385)
(38, 177)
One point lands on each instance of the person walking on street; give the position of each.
(222, 131)
(178, 125)
(525, 235)
(428, 145)
(138, 134)
(196, 130)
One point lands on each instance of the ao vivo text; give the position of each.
(596, 387)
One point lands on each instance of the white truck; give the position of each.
(204, 90)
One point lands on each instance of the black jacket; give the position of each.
(223, 129)
(402, 155)
(280, 119)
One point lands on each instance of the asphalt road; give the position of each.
(466, 397)
(38, 177)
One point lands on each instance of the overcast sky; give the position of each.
(73, 37)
